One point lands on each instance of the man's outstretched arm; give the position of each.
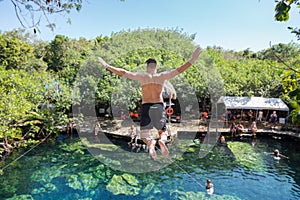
(171, 74)
(194, 57)
(119, 71)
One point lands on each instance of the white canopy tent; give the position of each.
(254, 103)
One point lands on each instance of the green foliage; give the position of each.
(281, 52)
(32, 99)
(33, 11)
(287, 57)
(282, 13)
(17, 105)
(244, 76)
(64, 56)
(23, 50)
(291, 85)
(282, 9)
(15, 54)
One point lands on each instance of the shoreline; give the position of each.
(120, 127)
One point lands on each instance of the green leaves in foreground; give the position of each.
(246, 156)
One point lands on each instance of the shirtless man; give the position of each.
(153, 112)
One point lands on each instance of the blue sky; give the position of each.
(230, 24)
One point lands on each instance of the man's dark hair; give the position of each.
(151, 60)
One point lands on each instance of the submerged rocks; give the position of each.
(246, 156)
(198, 195)
(21, 197)
(125, 184)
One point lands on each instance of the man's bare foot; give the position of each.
(152, 149)
(153, 153)
(164, 149)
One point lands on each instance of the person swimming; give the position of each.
(209, 187)
(278, 155)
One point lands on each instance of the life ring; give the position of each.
(170, 111)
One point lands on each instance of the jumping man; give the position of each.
(152, 112)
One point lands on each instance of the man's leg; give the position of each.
(149, 142)
(145, 127)
(158, 117)
(163, 138)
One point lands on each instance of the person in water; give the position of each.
(222, 140)
(152, 111)
(209, 187)
(278, 155)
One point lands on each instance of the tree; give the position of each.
(282, 10)
(246, 76)
(291, 85)
(17, 52)
(30, 12)
(21, 93)
(64, 56)
(33, 101)
(287, 57)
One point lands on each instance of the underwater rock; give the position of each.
(125, 184)
(246, 156)
(73, 182)
(102, 146)
(191, 150)
(108, 173)
(114, 163)
(148, 189)
(9, 186)
(50, 187)
(130, 179)
(100, 157)
(38, 191)
(89, 182)
(157, 190)
(176, 194)
(99, 171)
(76, 147)
(45, 175)
(21, 197)
(187, 195)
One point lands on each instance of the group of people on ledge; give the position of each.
(250, 116)
(134, 145)
(238, 128)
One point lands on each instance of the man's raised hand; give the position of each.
(195, 55)
(105, 65)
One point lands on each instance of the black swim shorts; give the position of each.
(153, 115)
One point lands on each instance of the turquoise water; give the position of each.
(67, 170)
